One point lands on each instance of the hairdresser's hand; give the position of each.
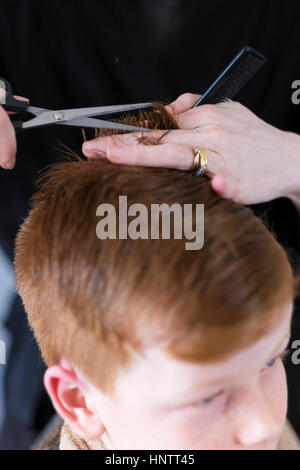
(8, 144)
(249, 160)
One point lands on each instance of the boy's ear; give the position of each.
(70, 397)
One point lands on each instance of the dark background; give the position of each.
(76, 53)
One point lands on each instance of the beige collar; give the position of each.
(288, 439)
(70, 441)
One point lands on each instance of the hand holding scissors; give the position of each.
(79, 117)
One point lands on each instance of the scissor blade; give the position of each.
(90, 122)
(100, 110)
(35, 110)
(42, 119)
(63, 116)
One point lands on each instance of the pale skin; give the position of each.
(164, 403)
(249, 160)
(8, 143)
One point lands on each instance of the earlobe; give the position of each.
(69, 399)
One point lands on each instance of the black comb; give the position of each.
(241, 69)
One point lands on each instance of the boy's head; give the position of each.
(150, 345)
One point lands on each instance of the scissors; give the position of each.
(68, 117)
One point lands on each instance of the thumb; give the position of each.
(183, 103)
(8, 144)
(227, 189)
(20, 98)
(218, 184)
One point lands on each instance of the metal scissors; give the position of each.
(68, 117)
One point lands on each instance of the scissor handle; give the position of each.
(7, 100)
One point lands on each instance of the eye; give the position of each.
(209, 399)
(271, 363)
(282, 356)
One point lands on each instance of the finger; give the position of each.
(169, 155)
(182, 103)
(97, 147)
(231, 115)
(205, 114)
(228, 188)
(190, 137)
(8, 144)
(218, 184)
(192, 118)
(21, 98)
(201, 116)
(122, 148)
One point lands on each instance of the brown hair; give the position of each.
(92, 302)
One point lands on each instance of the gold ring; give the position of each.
(200, 162)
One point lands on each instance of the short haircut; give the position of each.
(93, 302)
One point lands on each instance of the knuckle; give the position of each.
(216, 133)
(210, 112)
(237, 104)
(134, 153)
(172, 151)
(186, 95)
(187, 98)
(101, 141)
(221, 134)
(170, 148)
(113, 139)
(176, 154)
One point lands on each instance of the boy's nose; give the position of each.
(256, 421)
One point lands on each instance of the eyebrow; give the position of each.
(284, 339)
(224, 379)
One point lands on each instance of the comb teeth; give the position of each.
(240, 71)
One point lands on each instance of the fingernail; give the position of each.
(90, 145)
(9, 164)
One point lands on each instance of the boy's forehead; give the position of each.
(158, 370)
